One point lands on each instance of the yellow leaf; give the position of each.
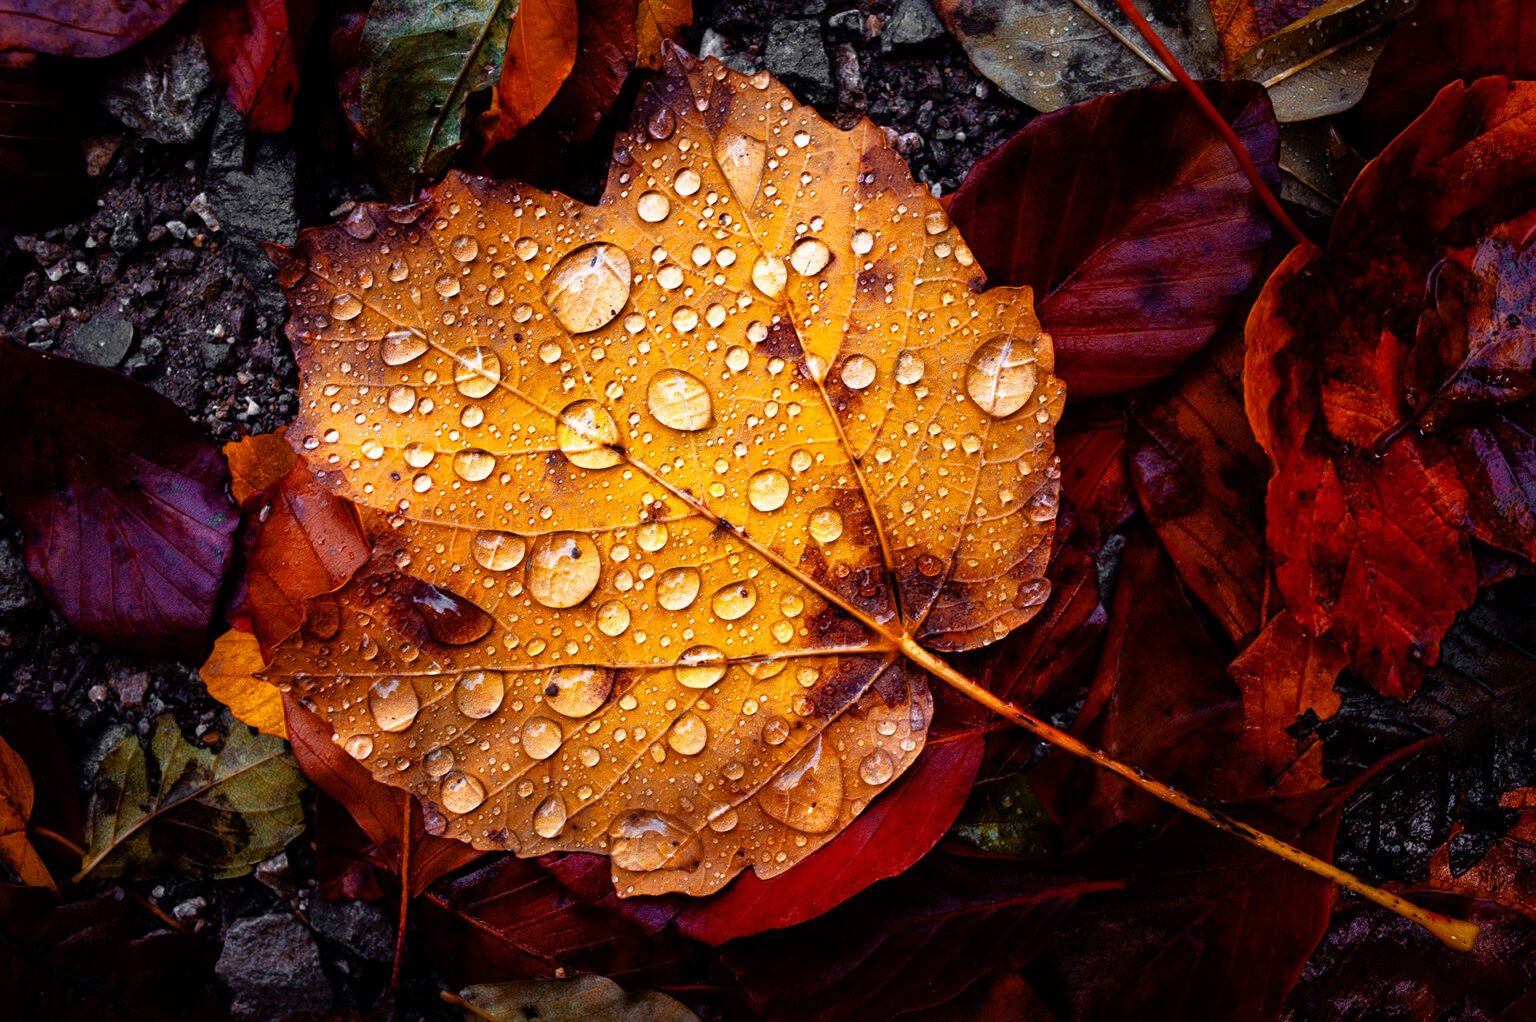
(668, 494)
(231, 676)
(16, 795)
(658, 23)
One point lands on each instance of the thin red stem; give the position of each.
(405, 892)
(1218, 122)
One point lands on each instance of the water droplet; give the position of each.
(877, 767)
(345, 306)
(652, 536)
(464, 248)
(449, 617)
(418, 455)
(473, 465)
(741, 158)
(589, 287)
(689, 735)
(360, 747)
(776, 731)
(661, 123)
(733, 601)
(525, 249)
(497, 551)
(563, 569)
(807, 794)
(477, 371)
(644, 840)
(400, 346)
(809, 257)
(769, 275)
(737, 359)
(402, 399)
(613, 618)
(700, 667)
(578, 691)
(461, 793)
(685, 319)
(393, 703)
(549, 818)
(909, 367)
(588, 435)
(936, 222)
(791, 605)
(687, 182)
(549, 353)
(438, 762)
(863, 242)
(826, 525)
(541, 737)
(1001, 375)
(679, 400)
(858, 372)
(447, 285)
(677, 588)
(768, 489)
(653, 207)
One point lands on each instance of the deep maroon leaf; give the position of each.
(1133, 222)
(123, 501)
(256, 48)
(80, 28)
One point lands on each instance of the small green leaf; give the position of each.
(1004, 817)
(420, 64)
(580, 999)
(212, 813)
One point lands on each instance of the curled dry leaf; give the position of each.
(667, 493)
(213, 814)
(578, 999)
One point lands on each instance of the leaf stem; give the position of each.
(405, 891)
(1218, 122)
(1458, 933)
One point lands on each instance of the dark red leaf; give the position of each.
(1440, 42)
(42, 162)
(908, 943)
(1201, 478)
(378, 809)
(80, 28)
(1133, 222)
(256, 48)
(1376, 965)
(123, 501)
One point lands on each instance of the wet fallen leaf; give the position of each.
(212, 814)
(122, 500)
(300, 540)
(1388, 398)
(1242, 23)
(256, 47)
(1132, 221)
(231, 675)
(647, 603)
(42, 167)
(579, 999)
(80, 28)
(1506, 873)
(658, 23)
(541, 51)
(1051, 53)
(1003, 817)
(16, 796)
(419, 65)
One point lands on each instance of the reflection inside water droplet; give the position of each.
(689, 735)
(400, 346)
(734, 601)
(563, 569)
(479, 693)
(461, 793)
(393, 703)
(677, 588)
(549, 818)
(587, 435)
(679, 400)
(541, 737)
(577, 691)
(497, 551)
(1001, 375)
(589, 287)
(700, 667)
(643, 841)
(768, 490)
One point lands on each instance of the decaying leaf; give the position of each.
(420, 63)
(16, 796)
(1506, 872)
(80, 28)
(256, 47)
(666, 492)
(578, 999)
(658, 23)
(212, 814)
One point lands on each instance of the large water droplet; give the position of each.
(733, 601)
(863, 242)
(563, 569)
(742, 159)
(807, 794)
(679, 400)
(643, 840)
(909, 367)
(461, 793)
(826, 525)
(479, 693)
(438, 762)
(689, 735)
(769, 275)
(768, 489)
(578, 691)
(345, 306)
(449, 617)
(360, 747)
(1001, 375)
(497, 551)
(661, 123)
(464, 248)
(653, 207)
(613, 618)
(877, 768)
(477, 371)
(589, 287)
(652, 536)
(473, 465)
(402, 399)
(700, 667)
(809, 257)
(687, 182)
(402, 345)
(677, 588)
(858, 372)
(393, 703)
(541, 737)
(549, 818)
(588, 435)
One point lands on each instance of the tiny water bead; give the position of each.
(588, 436)
(909, 368)
(480, 693)
(588, 288)
(1001, 375)
(359, 747)
(563, 569)
(679, 401)
(877, 768)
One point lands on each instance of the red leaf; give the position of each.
(1440, 42)
(1241, 24)
(1201, 478)
(910, 943)
(1133, 222)
(886, 839)
(378, 809)
(1506, 872)
(123, 501)
(304, 541)
(80, 28)
(541, 51)
(256, 48)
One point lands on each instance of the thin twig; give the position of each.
(405, 892)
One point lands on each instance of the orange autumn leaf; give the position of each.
(541, 50)
(231, 676)
(657, 23)
(669, 496)
(1506, 873)
(16, 797)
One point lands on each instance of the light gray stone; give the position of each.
(103, 340)
(164, 91)
(796, 55)
(911, 24)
